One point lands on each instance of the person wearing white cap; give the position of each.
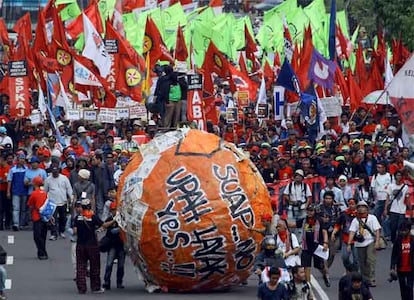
(84, 140)
(83, 188)
(365, 230)
(297, 196)
(391, 137)
(345, 188)
(4, 138)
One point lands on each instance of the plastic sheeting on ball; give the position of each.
(186, 202)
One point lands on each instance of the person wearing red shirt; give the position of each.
(285, 171)
(76, 147)
(402, 261)
(5, 204)
(36, 200)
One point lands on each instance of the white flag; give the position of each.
(82, 75)
(42, 103)
(388, 72)
(262, 95)
(401, 86)
(95, 47)
(62, 98)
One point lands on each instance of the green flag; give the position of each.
(171, 17)
(80, 42)
(71, 11)
(59, 2)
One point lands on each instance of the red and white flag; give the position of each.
(95, 48)
(84, 76)
(401, 94)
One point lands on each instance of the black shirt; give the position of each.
(86, 230)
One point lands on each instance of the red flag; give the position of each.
(215, 62)
(375, 81)
(269, 75)
(75, 28)
(341, 83)
(355, 94)
(3, 33)
(240, 81)
(251, 48)
(343, 45)
(361, 73)
(154, 45)
(305, 60)
(181, 52)
(400, 54)
(242, 64)
(129, 5)
(23, 26)
(129, 71)
(215, 3)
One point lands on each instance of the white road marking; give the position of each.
(10, 239)
(317, 287)
(8, 284)
(9, 260)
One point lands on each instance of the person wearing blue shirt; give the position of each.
(17, 191)
(33, 172)
(273, 290)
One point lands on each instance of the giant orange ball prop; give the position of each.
(186, 203)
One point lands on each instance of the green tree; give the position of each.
(395, 17)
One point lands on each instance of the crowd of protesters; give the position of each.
(363, 193)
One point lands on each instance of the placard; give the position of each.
(36, 117)
(332, 106)
(232, 115)
(73, 114)
(263, 111)
(195, 82)
(243, 98)
(89, 115)
(18, 68)
(122, 113)
(107, 115)
(111, 46)
(137, 112)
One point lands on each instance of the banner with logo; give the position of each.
(19, 89)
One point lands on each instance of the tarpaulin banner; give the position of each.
(195, 106)
(19, 89)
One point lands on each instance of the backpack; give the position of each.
(175, 92)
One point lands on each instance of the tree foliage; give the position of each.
(395, 17)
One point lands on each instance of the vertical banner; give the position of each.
(112, 48)
(195, 109)
(19, 89)
(279, 98)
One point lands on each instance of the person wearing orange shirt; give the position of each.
(5, 204)
(35, 202)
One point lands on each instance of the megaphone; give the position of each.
(408, 164)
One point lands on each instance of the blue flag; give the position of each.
(309, 110)
(332, 31)
(287, 78)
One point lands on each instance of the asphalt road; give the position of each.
(33, 279)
